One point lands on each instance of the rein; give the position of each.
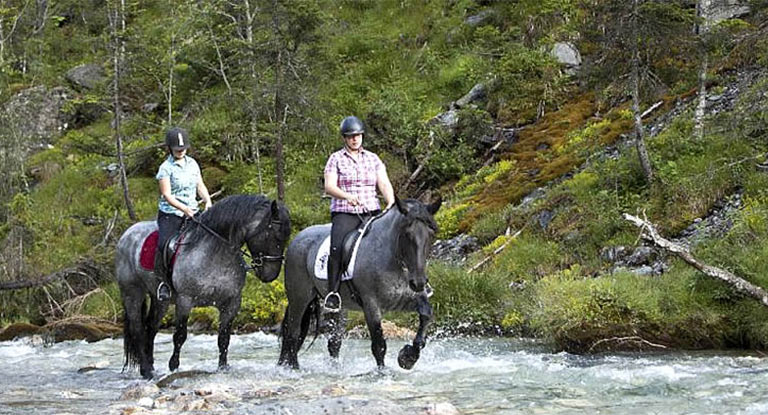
(257, 262)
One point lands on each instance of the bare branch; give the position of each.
(739, 284)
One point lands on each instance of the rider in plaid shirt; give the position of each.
(352, 176)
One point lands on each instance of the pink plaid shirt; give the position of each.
(357, 177)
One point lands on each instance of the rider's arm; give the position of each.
(165, 191)
(333, 189)
(203, 192)
(385, 187)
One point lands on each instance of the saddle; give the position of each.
(348, 253)
(349, 242)
(149, 248)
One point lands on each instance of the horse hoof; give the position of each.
(408, 356)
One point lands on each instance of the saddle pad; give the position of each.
(148, 248)
(147, 256)
(321, 261)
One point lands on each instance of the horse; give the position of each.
(389, 274)
(208, 270)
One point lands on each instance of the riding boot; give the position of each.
(163, 288)
(332, 302)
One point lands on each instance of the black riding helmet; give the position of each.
(177, 139)
(351, 126)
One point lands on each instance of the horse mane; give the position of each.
(417, 211)
(228, 216)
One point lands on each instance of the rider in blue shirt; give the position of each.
(180, 180)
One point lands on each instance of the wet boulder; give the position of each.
(88, 331)
(18, 330)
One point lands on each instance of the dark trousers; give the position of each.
(341, 224)
(167, 225)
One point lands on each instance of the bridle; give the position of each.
(260, 259)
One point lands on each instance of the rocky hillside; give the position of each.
(518, 114)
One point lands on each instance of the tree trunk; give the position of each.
(119, 50)
(278, 106)
(254, 96)
(701, 28)
(642, 152)
(172, 53)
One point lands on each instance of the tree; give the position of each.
(116, 13)
(631, 43)
(701, 28)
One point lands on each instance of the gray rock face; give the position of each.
(720, 10)
(567, 54)
(37, 114)
(477, 92)
(86, 77)
(455, 249)
(480, 19)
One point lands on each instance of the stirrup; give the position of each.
(158, 295)
(325, 301)
(428, 290)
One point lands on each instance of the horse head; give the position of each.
(416, 233)
(267, 242)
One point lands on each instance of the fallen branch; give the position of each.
(19, 284)
(620, 340)
(495, 252)
(739, 284)
(650, 110)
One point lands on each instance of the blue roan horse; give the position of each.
(389, 274)
(208, 272)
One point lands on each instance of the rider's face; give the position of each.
(353, 141)
(179, 153)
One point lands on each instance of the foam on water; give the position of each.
(481, 376)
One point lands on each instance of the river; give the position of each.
(454, 375)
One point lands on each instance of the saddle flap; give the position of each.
(148, 248)
(348, 246)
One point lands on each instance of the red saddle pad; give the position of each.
(147, 257)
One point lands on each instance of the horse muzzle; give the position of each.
(417, 285)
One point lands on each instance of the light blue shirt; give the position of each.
(184, 178)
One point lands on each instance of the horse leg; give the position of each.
(157, 310)
(410, 354)
(337, 334)
(183, 307)
(226, 316)
(135, 334)
(378, 344)
(294, 329)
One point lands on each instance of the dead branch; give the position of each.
(741, 285)
(37, 282)
(649, 110)
(495, 252)
(622, 340)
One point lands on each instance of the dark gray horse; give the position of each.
(209, 271)
(389, 274)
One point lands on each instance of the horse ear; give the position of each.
(434, 206)
(401, 206)
(275, 209)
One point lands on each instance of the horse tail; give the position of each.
(131, 346)
(312, 312)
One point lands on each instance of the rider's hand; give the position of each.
(207, 205)
(352, 199)
(188, 211)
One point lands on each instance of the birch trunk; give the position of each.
(118, 30)
(642, 152)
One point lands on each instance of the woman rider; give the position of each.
(352, 175)
(180, 180)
